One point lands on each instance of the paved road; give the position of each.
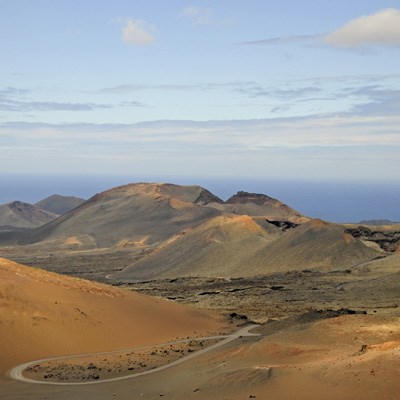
(16, 372)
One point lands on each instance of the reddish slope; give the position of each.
(44, 314)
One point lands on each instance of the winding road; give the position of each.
(17, 372)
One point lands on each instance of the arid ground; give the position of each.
(167, 302)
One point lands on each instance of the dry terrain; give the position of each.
(312, 356)
(43, 314)
(182, 265)
(302, 353)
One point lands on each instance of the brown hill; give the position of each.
(315, 244)
(132, 215)
(44, 314)
(259, 205)
(238, 247)
(218, 247)
(19, 215)
(145, 214)
(58, 204)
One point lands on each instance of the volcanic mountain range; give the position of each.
(147, 214)
(18, 215)
(188, 231)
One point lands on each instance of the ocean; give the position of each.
(332, 201)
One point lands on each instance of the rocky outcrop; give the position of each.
(246, 197)
(260, 205)
(207, 197)
(283, 225)
(388, 241)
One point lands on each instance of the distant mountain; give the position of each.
(132, 215)
(377, 222)
(58, 204)
(188, 231)
(145, 214)
(259, 205)
(18, 215)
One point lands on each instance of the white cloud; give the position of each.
(137, 32)
(198, 15)
(335, 146)
(320, 131)
(381, 28)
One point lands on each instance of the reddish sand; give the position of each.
(350, 357)
(43, 314)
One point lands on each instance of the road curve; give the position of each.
(17, 372)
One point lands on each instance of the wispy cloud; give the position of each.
(137, 32)
(248, 88)
(132, 104)
(379, 29)
(376, 100)
(366, 145)
(254, 90)
(199, 15)
(130, 88)
(29, 106)
(280, 40)
(204, 16)
(295, 97)
(12, 91)
(14, 99)
(335, 130)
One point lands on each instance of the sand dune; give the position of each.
(45, 314)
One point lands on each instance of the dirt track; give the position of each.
(17, 372)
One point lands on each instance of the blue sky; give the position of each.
(285, 90)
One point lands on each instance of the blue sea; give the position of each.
(331, 201)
